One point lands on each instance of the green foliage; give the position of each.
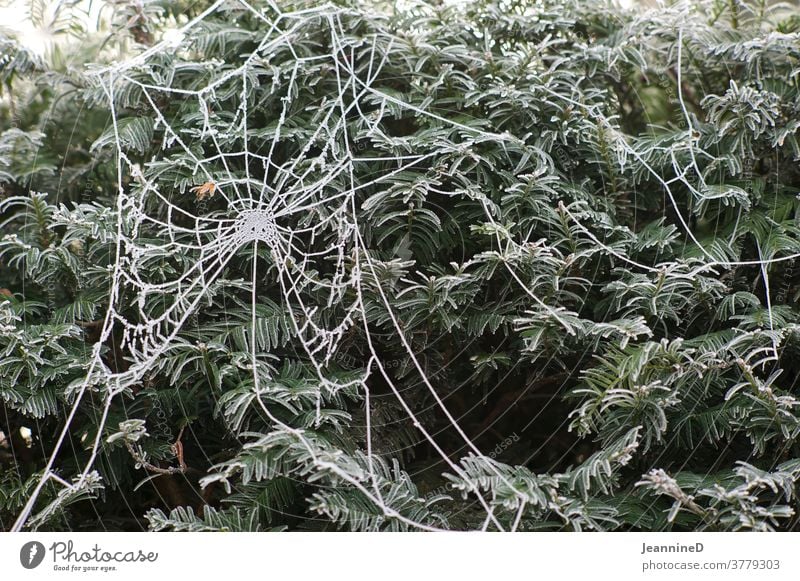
(591, 269)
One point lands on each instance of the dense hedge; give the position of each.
(589, 274)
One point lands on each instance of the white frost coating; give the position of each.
(258, 213)
(257, 210)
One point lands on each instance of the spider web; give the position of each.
(289, 208)
(305, 189)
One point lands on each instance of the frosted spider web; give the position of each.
(306, 190)
(256, 212)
